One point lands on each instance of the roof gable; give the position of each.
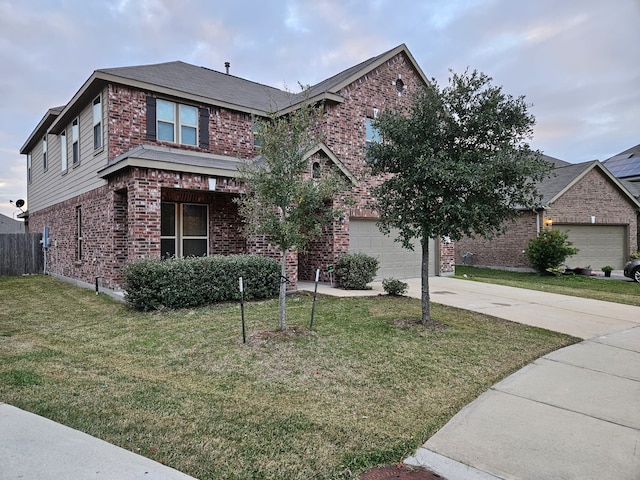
(337, 82)
(566, 176)
(322, 147)
(41, 129)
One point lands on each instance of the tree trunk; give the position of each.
(283, 291)
(426, 308)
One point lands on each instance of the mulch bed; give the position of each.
(402, 472)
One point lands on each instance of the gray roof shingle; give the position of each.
(561, 176)
(207, 83)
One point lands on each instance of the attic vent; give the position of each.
(399, 85)
(632, 155)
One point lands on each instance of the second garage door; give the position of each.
(395, 261)
(598, 245)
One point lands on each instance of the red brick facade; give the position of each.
(121, 221)
(506, 250)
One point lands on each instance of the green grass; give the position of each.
(180, 387)
(617, 291)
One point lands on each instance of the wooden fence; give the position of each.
(21, 254)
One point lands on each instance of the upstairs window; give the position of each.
(28, 167)
(177, 123)
(63, 150)
(372, 134)
(166, 120)
(44, 153)
(75, 142)
(97, 123)
(256, 135)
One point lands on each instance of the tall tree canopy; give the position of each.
(456, 163)
(283, 202)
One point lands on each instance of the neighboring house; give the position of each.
(9, 225)
(585, 200)
(142, 162)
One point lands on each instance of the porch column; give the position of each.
(144, 214)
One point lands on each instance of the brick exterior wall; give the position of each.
(230, 132)
(121, 221)
(505, 250)
(345, 131)
(593, 195)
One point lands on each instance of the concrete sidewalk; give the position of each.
(35, 448)
(574, 413)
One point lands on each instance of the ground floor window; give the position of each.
(184, 230)
(78, 233)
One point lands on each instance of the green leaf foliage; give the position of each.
(194, 281)
(549, 250)
(458, 159)
(283, 203)
(395, 287)
(355, 270)
(454, 163)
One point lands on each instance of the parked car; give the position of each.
(632, 269)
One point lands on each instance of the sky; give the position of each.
(577, 62)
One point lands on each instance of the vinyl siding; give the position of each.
(54, 185)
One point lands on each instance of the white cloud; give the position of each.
(577, 61)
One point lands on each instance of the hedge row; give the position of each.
(190, 282)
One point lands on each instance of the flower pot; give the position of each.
(607, 273)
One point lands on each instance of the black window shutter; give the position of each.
(204, 128)
(151, 118)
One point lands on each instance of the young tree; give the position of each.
(283, 203)
(455, 163)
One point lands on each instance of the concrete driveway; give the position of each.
(572, 414)
(579, 317)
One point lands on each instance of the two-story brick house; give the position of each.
(142, 162)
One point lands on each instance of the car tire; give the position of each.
(635, 275)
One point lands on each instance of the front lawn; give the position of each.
(366, 387)
(610, 290)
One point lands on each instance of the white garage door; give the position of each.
(598, 245)
(395, 261)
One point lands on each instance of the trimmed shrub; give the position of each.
(195, 281)
(395, 287)
(549, 250)
(355, 270)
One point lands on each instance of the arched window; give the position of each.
(315, 170)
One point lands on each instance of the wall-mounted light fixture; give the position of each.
(548, 222)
